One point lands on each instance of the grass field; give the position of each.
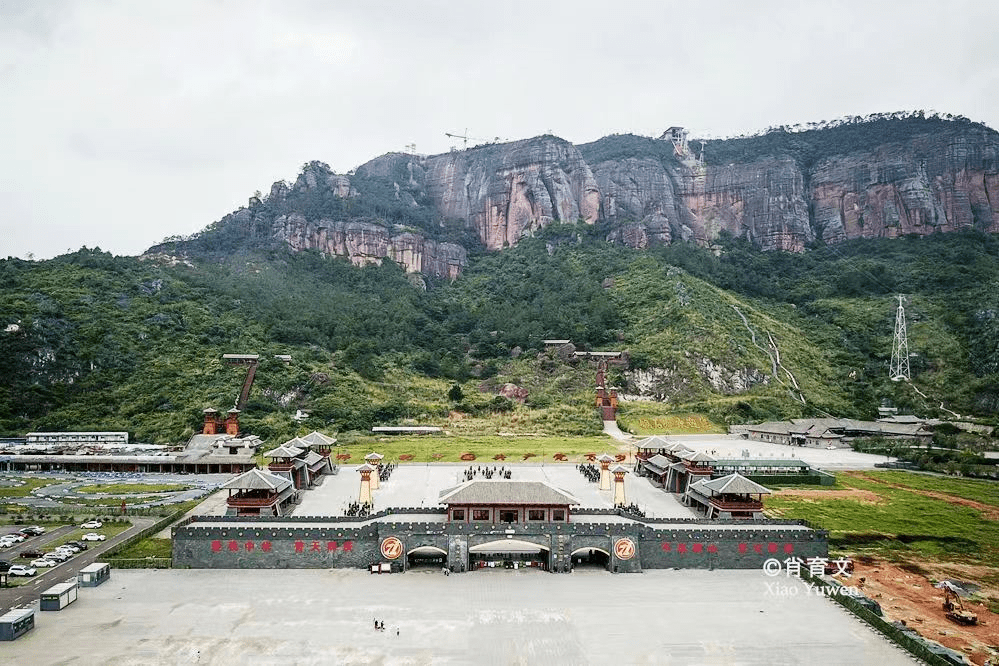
(653, 418)
(894, 518)
(131, 488)
(450, 449)
(151, 547)
(25, 489)
(109, 530)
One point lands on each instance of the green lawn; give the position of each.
(131, 488)
(25, 489)
(904, 522)
(654, 418)
(110, 530)
(151, 547)
(430, 448)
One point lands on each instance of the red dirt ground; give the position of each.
(911, 597)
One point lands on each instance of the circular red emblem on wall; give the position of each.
(391, 548)
(624, 549)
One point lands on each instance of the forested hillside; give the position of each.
(92, 341)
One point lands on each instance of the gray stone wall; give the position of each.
(702, 545)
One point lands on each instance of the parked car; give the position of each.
(42, 562)
(7, 543)
(77, 544)
(58, 555)
(68, 548)
(16, 536)
(5, 566)
(21, 570)
(31, 552)
(35, 530)
(92, 525)
(93, 536)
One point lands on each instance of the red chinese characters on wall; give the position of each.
(234, 546)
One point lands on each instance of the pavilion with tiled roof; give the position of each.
(258, 493)
(732, 496)
(488, 501)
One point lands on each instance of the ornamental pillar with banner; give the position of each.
(364, 496)
(374, 459)
(625, 557)
(619, 497)
(605, 475)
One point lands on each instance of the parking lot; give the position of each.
(492, 616)
(27, 589)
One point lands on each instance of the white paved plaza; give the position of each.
(419, 485)
(493, 616)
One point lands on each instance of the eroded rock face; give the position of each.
(729, 381)
(514, 392)
(671, 384)
(934, 183)
(670, 200)
(366, 242)
(940, 181)
(507, 191)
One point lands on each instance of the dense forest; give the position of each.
(93, 341)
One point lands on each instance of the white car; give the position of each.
(93, 536)
(13, 536)
(7, 543)
(21, 570)
(42, 562)
(92, 525)
(72, 549)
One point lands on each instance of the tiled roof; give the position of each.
(506, 492)
(257, 479)
(284, 452)
(734, 484)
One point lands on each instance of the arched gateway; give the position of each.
(492, 524)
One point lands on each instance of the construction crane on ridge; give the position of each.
(465, 138)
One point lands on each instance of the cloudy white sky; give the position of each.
(123, 122)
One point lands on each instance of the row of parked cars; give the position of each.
(50, 559)
(14, 538)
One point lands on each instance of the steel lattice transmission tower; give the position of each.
(899, 368)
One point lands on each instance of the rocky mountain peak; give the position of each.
(883, 176)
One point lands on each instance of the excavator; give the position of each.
(954, 607)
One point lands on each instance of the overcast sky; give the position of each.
(124, 122)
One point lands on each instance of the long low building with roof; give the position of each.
(669, 464)
(204, 454)
(833, 432)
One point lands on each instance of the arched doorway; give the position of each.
(426, 557)
(589, 557)
(508, 554)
